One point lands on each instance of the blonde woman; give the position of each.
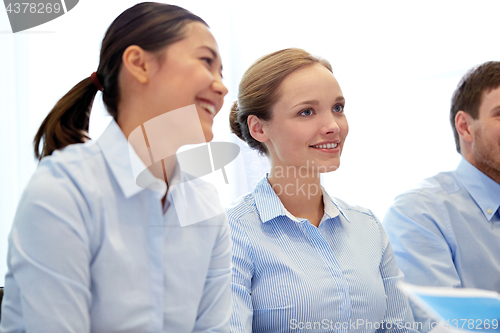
(302, 260)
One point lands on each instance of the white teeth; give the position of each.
(327, 146)
(208, 106)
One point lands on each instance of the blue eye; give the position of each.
(338, 108)
(306, 112)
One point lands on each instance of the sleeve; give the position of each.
(417, 225)
(215, 306)
(241, 284)
(48, 284)
(398, 316)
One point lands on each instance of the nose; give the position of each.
(219, 87)
(331, 126)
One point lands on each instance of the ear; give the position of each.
(463, 123)
(136, 62)
(256, 127)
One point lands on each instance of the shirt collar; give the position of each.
(120, 157)
(484, 190)
(269, 205)
(332, 209)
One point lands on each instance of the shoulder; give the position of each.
(73, 161)
(245, 221)
(438, 186)
(428, 204)
(65, 175)
(243, 207)
(62, 191)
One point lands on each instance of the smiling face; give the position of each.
(191, 73)
(485, 131)
(308, 125)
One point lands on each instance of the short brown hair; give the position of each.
(259, 89)
(469, 93)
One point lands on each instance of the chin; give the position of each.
(328, 168)
(334, 168)
(208, 136)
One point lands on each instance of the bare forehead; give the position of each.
(309, 79)
(198, 34)
(490, 99)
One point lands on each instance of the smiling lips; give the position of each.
(207, 106)
(326, 146)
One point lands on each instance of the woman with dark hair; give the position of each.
(302, 260)
(97, 247)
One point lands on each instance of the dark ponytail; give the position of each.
(149, 25)
(68, 122)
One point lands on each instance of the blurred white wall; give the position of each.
(397, 64)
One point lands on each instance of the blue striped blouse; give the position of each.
(289, 276)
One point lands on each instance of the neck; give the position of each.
(162, 169)
(488, 171)
(483, 163)
(300, 193)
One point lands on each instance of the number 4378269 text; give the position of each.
(33, 8)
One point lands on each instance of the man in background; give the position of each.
(446, 232)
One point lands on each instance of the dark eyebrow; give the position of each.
(315, 102)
